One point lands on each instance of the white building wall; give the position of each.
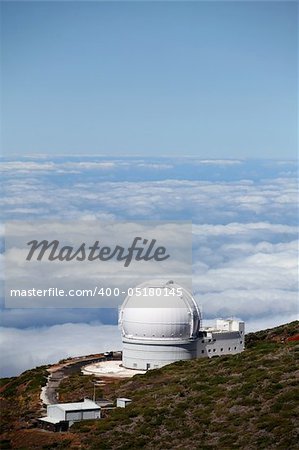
(229, 325)
(242, 330)
(220, 343)
(55, 412)
(226, 338)
(74, 415)
(122, 402)
(59, 413)
(143, 356)
(91, 415)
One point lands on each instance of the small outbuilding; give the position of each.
(61, 416)
(122, 402)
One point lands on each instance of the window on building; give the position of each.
(228, 348)
(202, 351)
(202, 341)
(209, 350)
(214, 349)
(221, 349)
(235, 348)
(241, 342)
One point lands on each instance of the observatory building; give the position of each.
(161, 323)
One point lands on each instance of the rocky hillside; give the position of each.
(247, 401)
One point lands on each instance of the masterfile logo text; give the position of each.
(140, 250)
(91, 264)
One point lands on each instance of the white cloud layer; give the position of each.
(245, 238)
(27, 348)
(270, 200)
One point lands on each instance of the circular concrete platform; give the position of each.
(111, 369)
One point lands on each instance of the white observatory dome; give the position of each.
(171, 314)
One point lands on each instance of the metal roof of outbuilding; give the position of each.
(87, 404)
(49, 419)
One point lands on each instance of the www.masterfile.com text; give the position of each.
(97, 291)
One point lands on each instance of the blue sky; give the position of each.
(203, 79)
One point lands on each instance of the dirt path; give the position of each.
(49, 393)
(58, 372)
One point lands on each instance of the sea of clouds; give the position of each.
(245, 239)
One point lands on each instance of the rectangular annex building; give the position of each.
(61, 416)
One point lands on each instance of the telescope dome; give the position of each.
(159, 310)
